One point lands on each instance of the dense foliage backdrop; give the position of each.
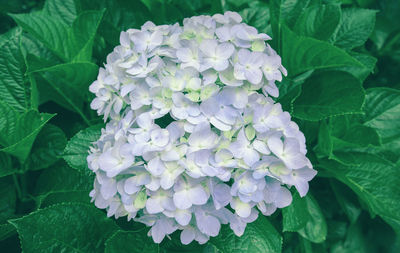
(343, 60)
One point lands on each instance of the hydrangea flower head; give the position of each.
(193, 137)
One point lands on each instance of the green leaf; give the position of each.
(19, 131)
(286, 12)
(119, 16)
(67, 84)
(62, 178)
(81, 36)
(356, 136)
(305, 217)
(296, 215)
(69, 43)
(47, 29)
(374, 180)
(47, 148)
(290, 89)
(347, 200)
(300, 54)
(60, 183)
(65, 10)
(13, 89)
(51, 229)
(315, 229)
(382, 112)
(8, 198)
(6, 230)
(363, 72)
(36, 54)
(318, 21)
(257, 15)
(344, 137)
(259, 237)
(329, 94)
(131, 242)
(325, 144)
(355, 28)
(355, 241)
(53, 198)
(5, 165)
(76, 151)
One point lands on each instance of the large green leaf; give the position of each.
(325, 143)
(13, 89)
(286, 12)
(68, 43)
(305, 217)
(47, 148)
(300, 54)
(81, 36)
(19, 131)
(318, 21)
(382, 112)
(77, 149)
(6, 230)
(36, 54)
(347, 200)
(61, 183)
(355, 28)
(131, 242)
(62, 178)
(315, 229)
(67, 227)
(344, 137)
(381, 118)
(47, 29)
(65, 10)
(6, 167)
(327, 94)
(67, 84)
(259, 237)
(8, 198)
(375, 181)
(363, 72)
(119, 16)
(295, 216)
(290, 89)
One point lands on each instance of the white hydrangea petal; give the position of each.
(284, 198)
(183, 217)
(187, 236)
(153, 206)
(182, 199)
(156, 166)
(261, 147)
(130, 186)
(197, 195)
(208, 224)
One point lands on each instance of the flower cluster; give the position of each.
(194, 139)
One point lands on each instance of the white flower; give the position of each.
(248, 66)
(188, 193)
(216, 55)
(116, 159)
(288, 151)
(193, 128)
(299, 178)
(243, 149)
(146, 40)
